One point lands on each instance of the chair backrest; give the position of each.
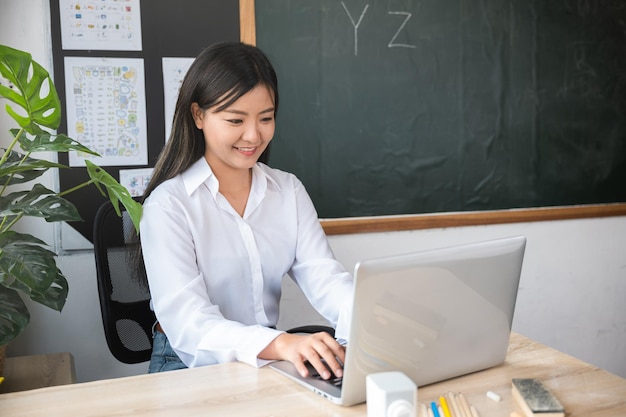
(124, 297)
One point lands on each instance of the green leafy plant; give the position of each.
(27, 267)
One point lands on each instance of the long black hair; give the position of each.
(220, 75)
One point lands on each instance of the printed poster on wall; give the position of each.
(113, 25)
(106, 110)
(174, 70)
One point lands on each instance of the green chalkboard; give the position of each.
(403, 107)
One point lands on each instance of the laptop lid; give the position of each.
(433, 315)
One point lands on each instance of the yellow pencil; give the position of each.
(444, 406)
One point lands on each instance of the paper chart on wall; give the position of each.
(174, 70)
(101, 25)
(136, 180)
(106, 110)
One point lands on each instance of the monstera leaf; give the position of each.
(27, 267)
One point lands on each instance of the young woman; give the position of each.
(220, 229)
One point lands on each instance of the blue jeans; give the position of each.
(163, 356)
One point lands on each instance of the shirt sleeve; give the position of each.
(196, 329)
(323, 280)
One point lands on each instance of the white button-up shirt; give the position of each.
(215, 276)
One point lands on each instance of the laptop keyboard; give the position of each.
(333, 380)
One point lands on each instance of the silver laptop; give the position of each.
(433, 315)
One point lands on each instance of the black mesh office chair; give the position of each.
(124, 299)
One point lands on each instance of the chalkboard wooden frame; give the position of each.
(427, 221)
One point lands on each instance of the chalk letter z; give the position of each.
(392, 43)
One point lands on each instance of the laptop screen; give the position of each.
(434, 314)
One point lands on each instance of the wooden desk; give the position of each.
(237, 389)
(38, 371)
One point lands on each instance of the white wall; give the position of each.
(572, 293)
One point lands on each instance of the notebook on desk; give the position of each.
(433, 315)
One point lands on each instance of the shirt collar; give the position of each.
(262, 172)
(197, 174)
(200, 173)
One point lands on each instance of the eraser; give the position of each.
(534, 398)
(493, 396)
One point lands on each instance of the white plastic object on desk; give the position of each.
(390, 394)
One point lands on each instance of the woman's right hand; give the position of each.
(312, 348)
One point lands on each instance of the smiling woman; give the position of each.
(230, 228)
(235, 138)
